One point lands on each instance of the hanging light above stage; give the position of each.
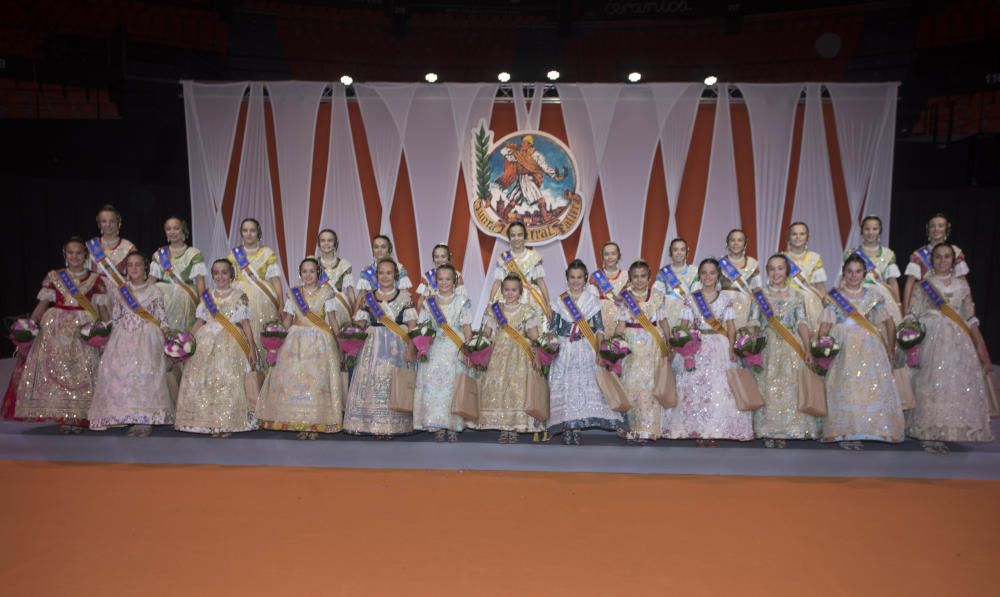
(553, 75)
(711, 80)
(634, 77)
(431, 77)
(503, 77)
(346, 80)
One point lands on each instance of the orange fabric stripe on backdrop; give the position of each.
(232, 176)
(598, 222)
(745, 178)
(404, 225)
(366, 175)
(502, 122)
(837, 172)
(793, 179)
(317, 187)
(458, 233)
(551, 122)
(657, 216)
(691, 199)
(272, 163)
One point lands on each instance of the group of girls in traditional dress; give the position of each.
(227, 385)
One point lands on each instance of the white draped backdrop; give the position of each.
(423, 133)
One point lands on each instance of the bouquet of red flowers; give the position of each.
(272, 336)
(909, 336)
(422, 337)
(546, 349)
(478, 350)
(749, 346)
(351, 339)
(95, 333)
(823, 349)
(179, 345)
(22, 333)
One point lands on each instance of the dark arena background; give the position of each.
(98, 102)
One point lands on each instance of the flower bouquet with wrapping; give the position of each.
(95, 333)
(272, 336)
(179, 345)
(422, 337)
(749, 346)
(23, 332)
(687, 343)
(613, 350)
(546, 349)
(823, 349)
(478, 349)
(909, 336)
(351, 339)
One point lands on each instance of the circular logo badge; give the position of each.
(527, 177)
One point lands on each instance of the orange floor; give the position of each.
(114, 529)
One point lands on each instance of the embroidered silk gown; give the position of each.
(57, 382)
(811, 265)
(262, 309)
(575, 400)
(131, 384)
(949, 387)
(186, 267)
(302, 392)
(886, 268)
(639, 367)
(212, 397)
(861, 397)
(503, 388)
(779, 382)
(436, 377)
(706, 407)
(367, 408)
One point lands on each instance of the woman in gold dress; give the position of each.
(749, 269)
(338, 272)
(212, 395)
(302, 392)
(526, 263)
(503, 388)
(812, 277)
(609, 281)
(258, 276)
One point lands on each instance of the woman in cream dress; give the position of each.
(179, 271)
(258, 276)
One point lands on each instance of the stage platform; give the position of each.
(601, 452)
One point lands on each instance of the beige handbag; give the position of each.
(465, 400)
(744, 389)
(993, 392)
(536, 403)
(812, 393)
(665, 384)
(612, 390)
(401, 388)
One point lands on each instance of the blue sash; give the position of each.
(374, 306)
(431, 276)
(209, 303)
(729, 270)
(603, 283)
(241, 258)
(136, 307)
(765, 307)
(842, 303)
(300, 300)
(925, 254)
(498, 313)
(671, 279)
(932, 293)
(369, 274)
(164, 256)
(706, 312)
(869, 264)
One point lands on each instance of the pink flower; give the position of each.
(271, 342)
(423, 345)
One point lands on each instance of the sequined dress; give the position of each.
(609, 306)
(949, 388)
(187, 266)
(339, 273)
(529, 262)
(575, 400)
(779, 382)
(886, 269)
(861, 397)
(436, 377)
(302, 392)
(262, 309)
(503, 388)
(750, 273)
(131, 386)
(639, 367)
(367, 408)
(212, 397)
(706, 407)
(57, 382)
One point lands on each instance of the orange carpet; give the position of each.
(110, 529)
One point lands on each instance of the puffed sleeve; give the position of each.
(47, 292)
(913, 270)
(489, 321)
(99, 297)
(330, 306)
(362, 315)
(878, 313)
(686, 314)
(424, 316)
(531, 321)
(273, 271)
(660, 285)
(536, 272)
(404, 282)
(967, 309)
(423, 289)
(799, 312)
(289, 307)
(155, 270)
(829, 315)
(662, 313)
(499, 273)
(818, 274)
(409, 314)
(201, 312)
(597, 323)
(241, 311)
(198, 267)
(755, 316)
(347, 279)
(728, 312)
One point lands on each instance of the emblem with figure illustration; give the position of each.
(528, 177)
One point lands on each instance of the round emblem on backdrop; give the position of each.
(528, 177)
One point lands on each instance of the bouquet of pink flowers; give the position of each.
(179, 345)
(351, 339)
(478, 350)
(749, 346)
(95, 333)
(272, 336)
(823, 349)
(613, 350)
(422, 337)
(909, 336)
(546, 349)
(687, 342)
(22, 333)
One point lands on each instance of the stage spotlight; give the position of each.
(553, 75)
(503, 77)
(634, 77)
(431, 77)
(711, 80)
(346, 80)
